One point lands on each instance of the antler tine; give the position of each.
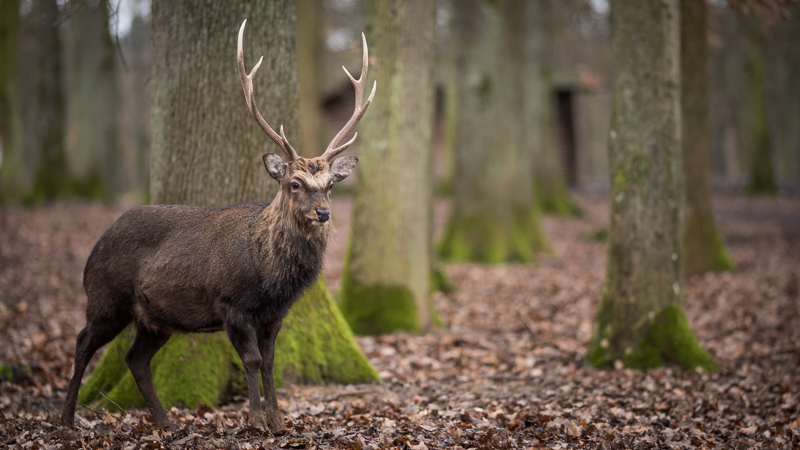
(359, 111)
(249, 96)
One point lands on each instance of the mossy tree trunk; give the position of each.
(703, 248)
(640, 318)
(495, 217)
(51, 176)
(385, 280)
(207, 151)
(12, 171)
(762, 174)
(538, 109)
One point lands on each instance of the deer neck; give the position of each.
(284, 243)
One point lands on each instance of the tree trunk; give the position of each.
(385, 280)
(703, 248)
(309, 62)
(538, 113)
(110, 97)
(87, 64)
(495, 218)
(207, 152)
(640, 318)
(51, 179)
(762, 176)
(12, 164)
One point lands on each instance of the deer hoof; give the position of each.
(276, 423)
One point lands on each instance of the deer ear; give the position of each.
(341, 167)
(275, 166)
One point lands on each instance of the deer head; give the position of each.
(307, 182)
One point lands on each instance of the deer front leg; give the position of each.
(266, 344)
(243, 339)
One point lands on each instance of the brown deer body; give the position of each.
(181, 269)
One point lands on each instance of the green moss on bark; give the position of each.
(440, 282)
(317, 346)
(705, 253)
(557, 203)
(668, 340)
(314, 346)
(189, 369)
(486, 238)
(375, 309)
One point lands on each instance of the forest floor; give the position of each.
(506, 371)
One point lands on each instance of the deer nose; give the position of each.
(323, 215)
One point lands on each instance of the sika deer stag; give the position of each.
(182, 269)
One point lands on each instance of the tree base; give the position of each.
(440, 282)
(669, 339)
(314, 346)
(558, 204)
(706, 254)
(375, 309)
(485, 238)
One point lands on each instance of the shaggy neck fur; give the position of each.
(290, 253)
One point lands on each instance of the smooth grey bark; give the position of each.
(385, 279)
(640, 318)
(703, 247)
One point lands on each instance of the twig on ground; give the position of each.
(112, 401)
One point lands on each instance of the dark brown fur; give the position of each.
(180, 269)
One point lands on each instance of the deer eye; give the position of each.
(330, 187)
(295, 185)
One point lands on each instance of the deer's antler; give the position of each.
(359, 111)
(249, 96)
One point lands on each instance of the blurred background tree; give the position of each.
(703, 247)
(495, 217)
(51, 174)
(92, 100)
(12, 179)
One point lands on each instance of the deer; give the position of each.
(170, 269)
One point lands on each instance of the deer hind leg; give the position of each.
(266, 344)
(95, 335)
(147, 343)
(243, 339)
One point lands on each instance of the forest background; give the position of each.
(489, 319)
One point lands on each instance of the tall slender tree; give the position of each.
(703, 247)
(762, 174)
(495, 217)
(91, 105)
(385, 279)
(640, 318)
(205, 152)
(539, 108)
(12, 180)
(51, 177)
